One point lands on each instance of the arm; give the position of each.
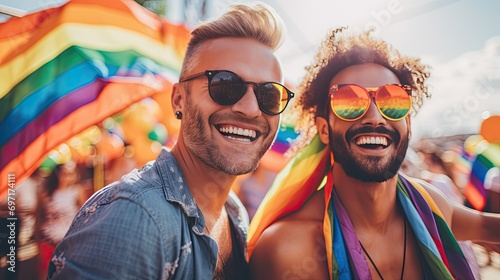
(466, 223)
(290, 249)
(117, 241)
(470, 224)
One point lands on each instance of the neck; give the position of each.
(208, 186)
(368, 204)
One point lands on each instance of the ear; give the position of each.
(323, 129)
(177, 97)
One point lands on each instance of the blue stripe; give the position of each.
(36, 103)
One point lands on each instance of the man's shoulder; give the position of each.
(303, 223)
(136, 185)
(299, 231)
(289, 243)
(139, 190)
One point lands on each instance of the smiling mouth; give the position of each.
(373, 142)
(238, 133)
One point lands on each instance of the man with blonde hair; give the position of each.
(176, 218)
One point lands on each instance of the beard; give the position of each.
(201, 143)
(369, 169)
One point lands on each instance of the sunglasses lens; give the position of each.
(350, 102)
(226, 88)
(393, 102)
(272, 98)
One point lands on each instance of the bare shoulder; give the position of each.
(293, 247)
(439, 198)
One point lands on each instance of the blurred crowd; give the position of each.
(46, 204)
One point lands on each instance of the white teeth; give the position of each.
(238, 131)
(372, 140)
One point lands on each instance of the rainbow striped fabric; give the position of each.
(300, 178)
(64, 69)
(309, 171)
(475, 191)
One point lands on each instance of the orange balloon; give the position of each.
(490, 129)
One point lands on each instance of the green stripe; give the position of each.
(315, 147)
(435, 264)
(447, 238)
(490, 157)
(335, 265)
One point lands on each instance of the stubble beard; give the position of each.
(369, 169)
(198, 139)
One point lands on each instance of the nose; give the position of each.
(248, 104)
(373, 116)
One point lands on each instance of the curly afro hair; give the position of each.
(340, 50)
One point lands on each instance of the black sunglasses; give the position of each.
(226, 88)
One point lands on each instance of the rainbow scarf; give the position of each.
(64, 69)
(441, 256)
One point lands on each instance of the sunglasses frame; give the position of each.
(210, 74)
(372, 94)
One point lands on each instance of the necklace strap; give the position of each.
(404, 255)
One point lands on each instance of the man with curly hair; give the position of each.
(340, 209)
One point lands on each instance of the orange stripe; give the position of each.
(327, 226)
(474, 197)
(22, 33)
(113, 98)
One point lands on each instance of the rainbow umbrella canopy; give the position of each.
(64, 69)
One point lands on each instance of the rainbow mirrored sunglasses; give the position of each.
(226, 88)
(350, 102)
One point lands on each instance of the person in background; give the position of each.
(176, 218)
(60, 198)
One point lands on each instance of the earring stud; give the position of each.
(178, 115)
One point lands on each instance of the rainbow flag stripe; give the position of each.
(67, 68)
(475, 191)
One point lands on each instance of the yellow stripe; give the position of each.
(427, 197)
(297, 178)
(327, 229)
(95, 37)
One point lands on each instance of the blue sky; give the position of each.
(459, 39)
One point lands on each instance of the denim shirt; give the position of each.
(145, 226)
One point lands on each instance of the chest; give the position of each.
(394, 258)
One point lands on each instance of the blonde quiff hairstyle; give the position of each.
(256, 21)
(338, 51)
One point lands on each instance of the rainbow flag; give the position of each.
(292, 186)
(475, 191)
(64, 69)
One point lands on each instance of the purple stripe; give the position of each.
(58, 111)
(422, 207)
(458, 265)
(358, 261)
(280, 147)
(477, 183)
